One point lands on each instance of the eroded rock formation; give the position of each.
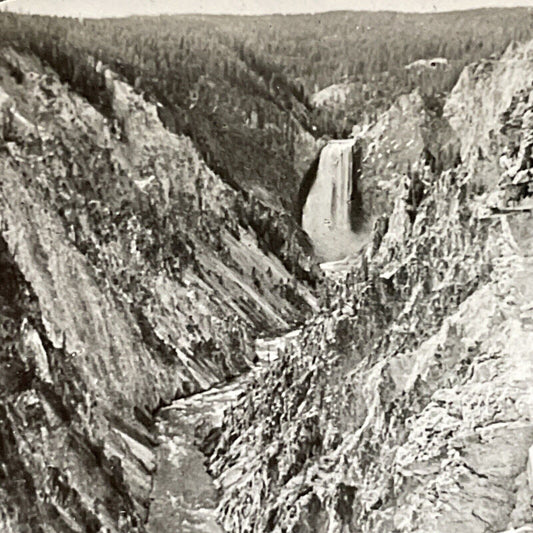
(131, 275)
(407, 405)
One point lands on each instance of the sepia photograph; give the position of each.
(266, 266)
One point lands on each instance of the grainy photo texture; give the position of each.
(266, 267)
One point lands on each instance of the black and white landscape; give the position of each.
(267, 273)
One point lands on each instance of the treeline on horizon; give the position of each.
(241, 87)
(371, 49)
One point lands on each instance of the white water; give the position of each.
(326, 213)
(184, 497)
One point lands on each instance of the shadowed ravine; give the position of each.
(184, 497)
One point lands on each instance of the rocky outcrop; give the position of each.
(334, 95)
(410, 135)
(408, 404)
(484, 91)
(131, 275)
(424, 64)
(306, 148)
(467, 127)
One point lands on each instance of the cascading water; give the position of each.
(327, 213)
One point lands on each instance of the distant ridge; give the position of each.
(124, 8)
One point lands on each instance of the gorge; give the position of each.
(174, 353)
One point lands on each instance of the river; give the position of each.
(184, 497)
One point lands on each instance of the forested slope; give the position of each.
(241, 87)
(369, 50)
(248, 126)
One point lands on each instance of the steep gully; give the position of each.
(188, 427)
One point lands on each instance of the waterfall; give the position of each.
(326, 214)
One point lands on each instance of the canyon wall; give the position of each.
(406, 405)
(131, 275)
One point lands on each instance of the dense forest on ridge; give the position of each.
(241, 87)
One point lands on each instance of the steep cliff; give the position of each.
(406, 404)
(131, 275)
(406, 137)
(484, 91)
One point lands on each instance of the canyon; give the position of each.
(175, 359)
(406, 404)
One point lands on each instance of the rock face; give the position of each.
(405, 138)
(408, 404)
(333, 95)
(328, 214)
(306, 148)
(130, 275)
(484, 91)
